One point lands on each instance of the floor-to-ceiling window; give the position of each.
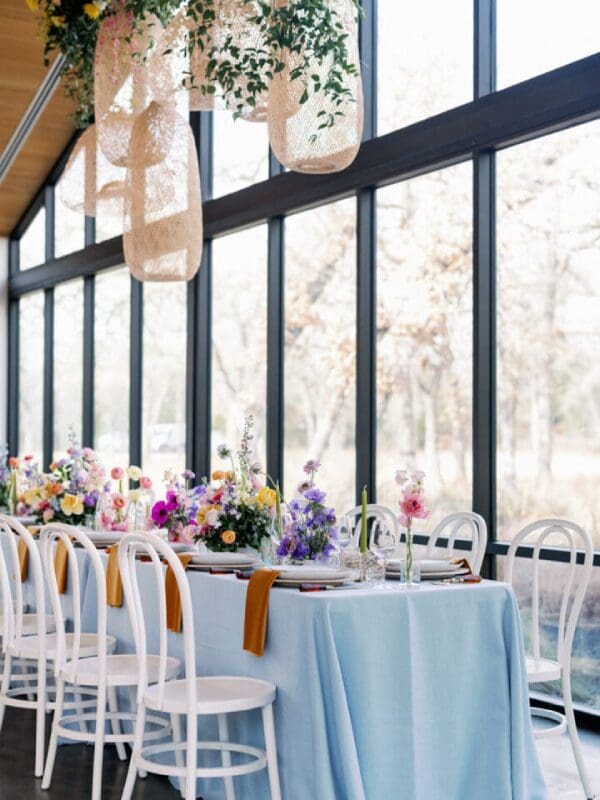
(445, 283)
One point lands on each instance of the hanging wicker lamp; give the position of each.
(162, 237)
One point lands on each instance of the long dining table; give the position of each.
(382, 693)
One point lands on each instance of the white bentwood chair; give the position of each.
(382, 524)
(88, 660)
(28, 639)
(462, 525)
(191, 696)
(541, 669)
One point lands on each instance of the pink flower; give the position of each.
(119, 501)
(257, 484)
(418, 475)
(187, 534)
(145, 483)
(48, 515)
(120, 526)
(117, 473)
(412, 506)
(88, 454)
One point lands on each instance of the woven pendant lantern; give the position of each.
(78, 180)
(162, 237)
(130, 71)
(294, 133)
(177, 38)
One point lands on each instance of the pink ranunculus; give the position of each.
(145, 482)
(120, 526)
(107, 520)
(117, 473)
(48, 515)
(118, 501)
(187, 534)
(413, 506)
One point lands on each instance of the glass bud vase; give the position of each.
(410, 570)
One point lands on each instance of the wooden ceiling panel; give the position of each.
(21, 72)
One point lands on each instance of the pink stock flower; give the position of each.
(187, 534)
(412, 506)
(88, 454)
(145, 483)
(117, 473)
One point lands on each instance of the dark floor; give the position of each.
(72, 772)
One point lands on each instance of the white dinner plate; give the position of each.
(425, 564)
(183, 547)
(211, 559)
(295, 575)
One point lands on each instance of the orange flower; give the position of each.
(13, 462)
(228, 537)
(222, 475)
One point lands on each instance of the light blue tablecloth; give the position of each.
(382, 694)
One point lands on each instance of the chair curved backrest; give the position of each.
(14, 537)
(382, 522)
(51, 536)
(145, 543)
(462, 525)
(576, 538)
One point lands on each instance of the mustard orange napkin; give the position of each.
(61, 563)
(173, 596)
(257, 610)
(464, 562)
(114, 587)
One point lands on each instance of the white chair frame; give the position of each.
(259, 694)
(27, 638)
(452, 528)
(381, 521)
(540, 669)
(73, 662)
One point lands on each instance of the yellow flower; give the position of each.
(202, 513)
(32, 4)
(58, 22)
(91, 10)
(31, 496)
(72, 504)
(267, 497)
(228, 537)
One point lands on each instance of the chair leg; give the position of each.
(99, 744)
(58, 712)
(226, 756)
(138, 739)
(40, 721)
(141, 773)
(5, 686)
(271, 748)
(191, 756)
(79, 710)
(177, 738)
(572, 729)
(113, 707)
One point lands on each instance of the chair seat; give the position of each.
(540, 670)
(30, 624)
(121, 670)
(214, 695)
(88, 646)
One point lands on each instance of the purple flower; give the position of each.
(315, 495)
(188, 475)
(311, 466)
(160, 513)
(172, 503)
(90, 499)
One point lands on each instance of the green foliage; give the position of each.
(304, 33)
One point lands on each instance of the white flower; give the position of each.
(134, 473)
(401, 476)
(212, 518)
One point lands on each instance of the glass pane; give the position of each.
(549, 331)
(536, 36)
(111, 371)
(31, 375)
(240, 155)
(164, 364)
(239, 338)
(424, 337)
(425, 59)
(320, 348)
(68, 227)
(585, 668)
(68, 362)
(32, 245)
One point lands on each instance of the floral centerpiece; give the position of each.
(412, 506)
(70, 491)
(309, 530)
(112, 510)
(177, 512)
(235, 509)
